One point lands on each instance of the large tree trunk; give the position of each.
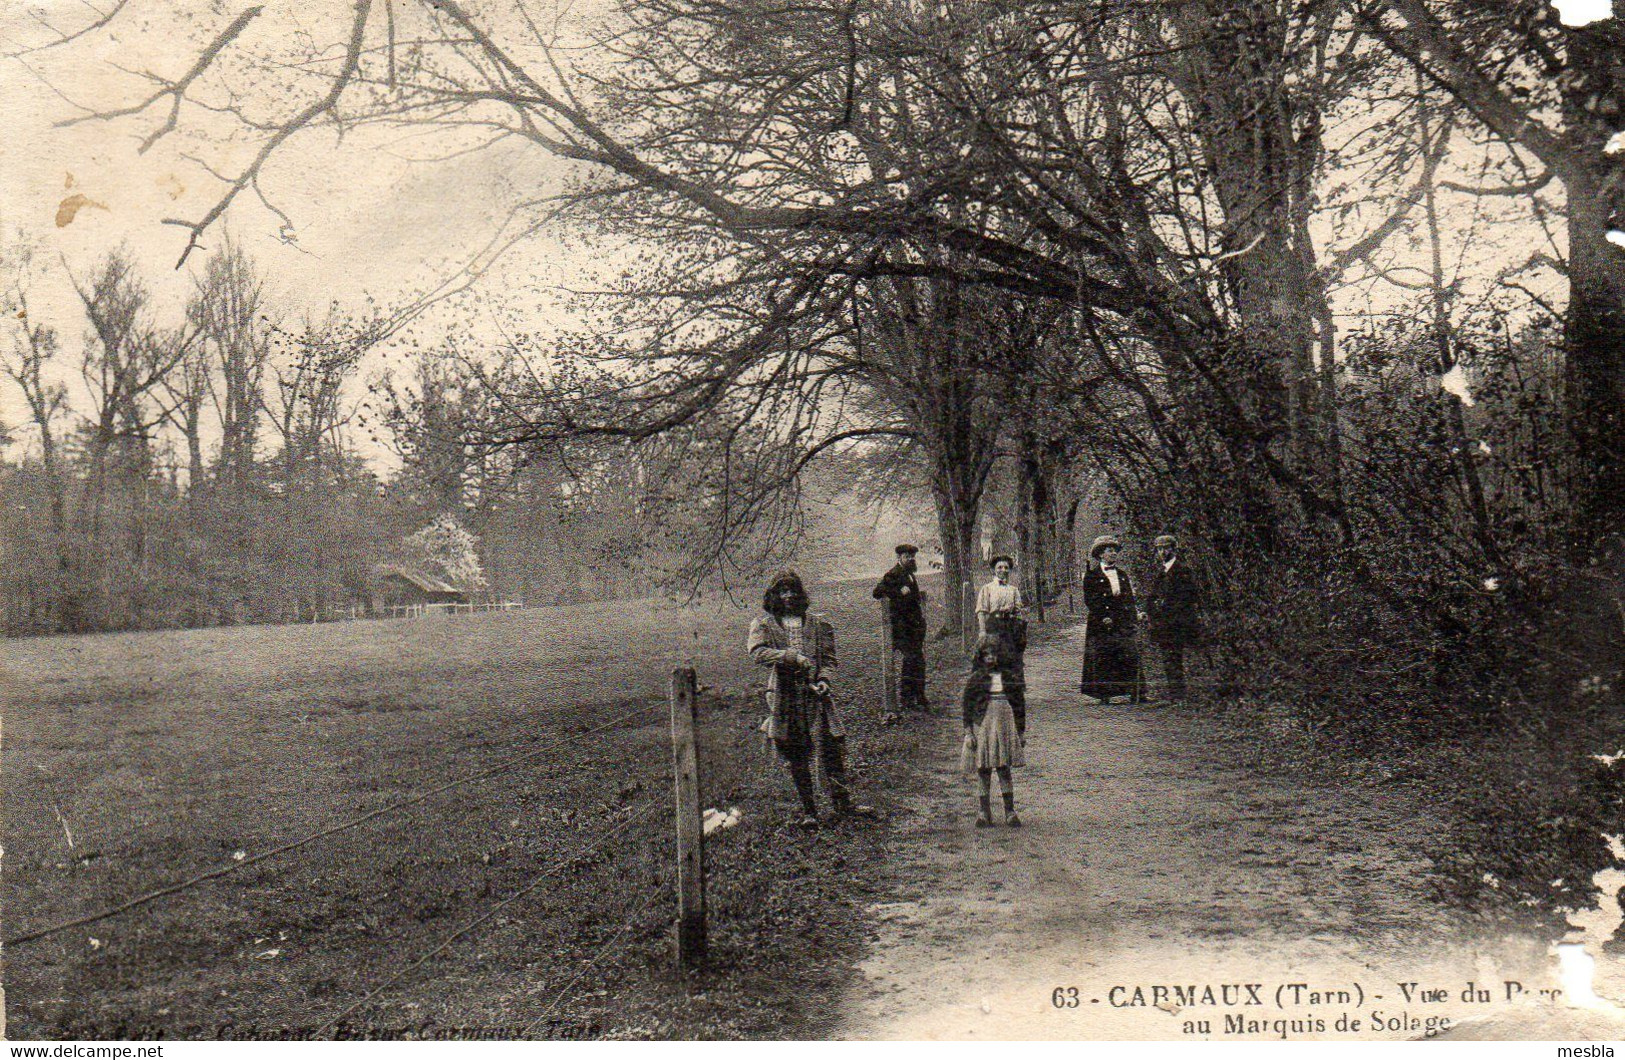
(1024, 527)
(196, 473)
(1595, 383)
(937, 344)
(1032, 511)
(1595, 326)
(956, 523)
(1263, 149)
(1069, 552)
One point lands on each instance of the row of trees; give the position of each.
(210, 470)
(1107, 236)
(120, 515)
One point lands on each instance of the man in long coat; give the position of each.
(1173, 613)
(900, 588)
(1111, 655)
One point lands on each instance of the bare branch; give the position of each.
(299, 121)
(70, 38)
(1429, 46)
(176, 90)
(846, 436)
(1433, 154)
(1528, 187)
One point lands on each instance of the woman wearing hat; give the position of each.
(1111, 655)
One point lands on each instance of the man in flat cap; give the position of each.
(900, 588)
(1173, 613)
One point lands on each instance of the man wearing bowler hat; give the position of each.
(1173, 613)
(902, 590)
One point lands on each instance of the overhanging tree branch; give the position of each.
(248, 177)
(1428, 44)
(176, 90)
(846, 436)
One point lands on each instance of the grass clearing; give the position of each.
(161, 755)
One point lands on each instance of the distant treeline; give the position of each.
(204, 471)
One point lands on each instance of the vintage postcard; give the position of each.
(836, 519)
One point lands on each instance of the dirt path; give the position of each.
(1148, 858)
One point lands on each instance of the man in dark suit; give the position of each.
(900, 588)
(1173, 611)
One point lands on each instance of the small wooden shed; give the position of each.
(401, 586)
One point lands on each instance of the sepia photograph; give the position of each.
(806, 520)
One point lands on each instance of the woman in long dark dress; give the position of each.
(1111, 655)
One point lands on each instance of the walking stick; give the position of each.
(888, 668)
(1141, 690)
(1085, 657)
(1214, 681)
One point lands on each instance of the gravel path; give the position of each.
(1150, 856)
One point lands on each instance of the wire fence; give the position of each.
(624, 821)
(622, 929)
(491, 914)
(238, 865)
(428, 610)
(628, 921)
(315, 614)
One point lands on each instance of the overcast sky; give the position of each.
(377, 214)
(374, 213)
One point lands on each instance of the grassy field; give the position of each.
(132, 761)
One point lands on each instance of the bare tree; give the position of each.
(187, 393)
(30, 353)
(1155, 169)
(227, 309)
(306, 402)
(125, 366)
(435, 429)
(928, 79)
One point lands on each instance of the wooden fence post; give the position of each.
(690, 832)
(888, 664)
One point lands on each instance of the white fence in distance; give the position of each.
(427, 610)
